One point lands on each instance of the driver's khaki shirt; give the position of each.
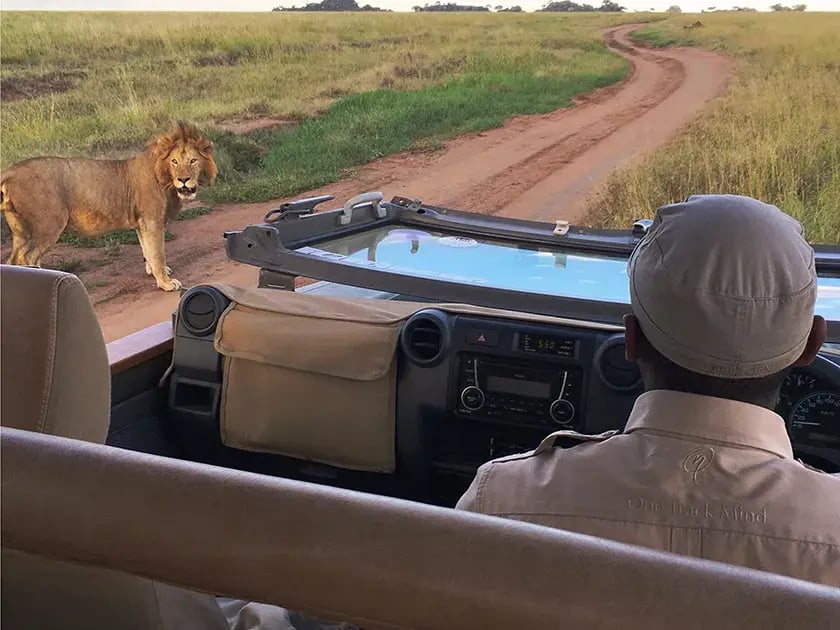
(694, 475)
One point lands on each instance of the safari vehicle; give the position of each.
(303, 445)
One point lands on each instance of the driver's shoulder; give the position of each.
(559, 441)
(815, 476)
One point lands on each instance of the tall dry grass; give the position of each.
(775, 135)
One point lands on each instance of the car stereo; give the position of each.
(541, 395)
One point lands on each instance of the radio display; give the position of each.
(532, 389)
(546, 344)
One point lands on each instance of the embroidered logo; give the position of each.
(698, 460)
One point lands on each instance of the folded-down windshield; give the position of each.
(488, 262)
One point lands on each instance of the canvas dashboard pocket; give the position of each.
(310, 378)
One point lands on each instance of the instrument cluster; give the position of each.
(810, 405)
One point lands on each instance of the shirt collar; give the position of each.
(709, 418)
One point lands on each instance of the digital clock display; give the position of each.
(547, 344)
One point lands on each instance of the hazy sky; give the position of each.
(396, 5)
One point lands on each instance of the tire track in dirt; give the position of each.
(540, 167)
(497, 193)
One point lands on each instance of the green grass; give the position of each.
(775, 135)
(193, 213)
(364, 127)
(108, 241)
(361, 86)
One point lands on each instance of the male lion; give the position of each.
(43, 196)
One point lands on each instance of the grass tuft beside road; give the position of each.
(775, 135)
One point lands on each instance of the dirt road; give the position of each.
(542, 167)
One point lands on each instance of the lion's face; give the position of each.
(185, 161)
(187, 168)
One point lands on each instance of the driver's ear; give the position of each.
(816, 338)
(632, 337)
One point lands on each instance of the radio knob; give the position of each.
(472, 398)
(562, 412)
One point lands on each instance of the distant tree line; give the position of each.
(561, 6)
(567, 6)
(331, 5)
(735, 9)
(449, 6)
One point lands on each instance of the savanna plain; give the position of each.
(297, 101)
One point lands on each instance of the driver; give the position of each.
(722, 291)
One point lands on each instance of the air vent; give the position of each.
(614, 369)
(425, 337)
(201, 308)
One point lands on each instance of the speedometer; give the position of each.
(815, 420)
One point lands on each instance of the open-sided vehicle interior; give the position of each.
(301, 444)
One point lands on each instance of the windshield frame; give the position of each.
(272, 246)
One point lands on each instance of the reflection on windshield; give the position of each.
(483, 262)
(504, 265)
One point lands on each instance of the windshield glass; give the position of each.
(503, 264)
(483, 261)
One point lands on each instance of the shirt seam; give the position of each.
(672, 527)
(690, 437)
(482, 484)
(677, 283)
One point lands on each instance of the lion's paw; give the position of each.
(171, 285)
(149, 269)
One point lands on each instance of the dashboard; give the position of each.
(470, 388)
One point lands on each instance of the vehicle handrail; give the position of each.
(371, 560)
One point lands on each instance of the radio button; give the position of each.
(562, 412)
(472, 398)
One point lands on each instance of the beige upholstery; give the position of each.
(43, 594)
(55, 375)
(382, 563)
(56, 380)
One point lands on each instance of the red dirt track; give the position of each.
(541, 167)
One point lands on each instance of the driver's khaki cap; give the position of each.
(725, 286)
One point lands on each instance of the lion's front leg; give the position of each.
(152, 243)
(146, 257)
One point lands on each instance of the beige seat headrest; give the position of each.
(53, 362)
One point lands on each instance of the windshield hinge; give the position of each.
(296, 209)
(561, 227)
(412, 204)
(641, 227)
(270, 279)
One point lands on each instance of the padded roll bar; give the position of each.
(376, 561)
